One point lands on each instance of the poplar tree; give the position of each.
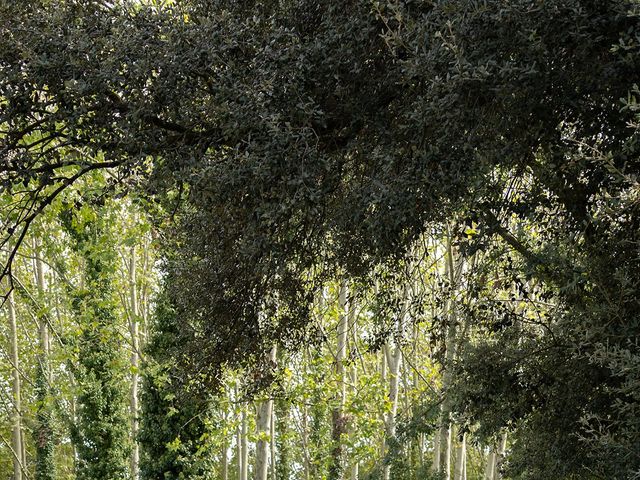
(101, 435)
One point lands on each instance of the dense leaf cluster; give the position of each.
(101, 435)
(172, 419)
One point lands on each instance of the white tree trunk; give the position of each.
(338, 420)
(383, 377)
(343, 329)
(224, 450)
(224, 460)
(446, 433)
(394, 361)
(17, 440)
(448, 450)
(355, 467)
(43, 326)
(135, 363)
(305, 429)
(263, 425)
(273, 441)
(500, 457)
(437, 451)
(263, 415)
(244, 447)
(489, 471)
(239, 452)
(461, 455)
(238, 436)
(464, 466)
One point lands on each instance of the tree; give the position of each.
(45, 466)
(102, 431)
(17, 443)
(172, 419)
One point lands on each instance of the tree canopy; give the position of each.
(290, 143)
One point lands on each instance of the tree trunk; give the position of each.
(383, 378)
(305, 430)
(446, 434)
(224, 459)
(244, 448)
(263, 425)
(17, 441)
(418, 457)
(461, 454)
(338, 419)
(272, 438)
(393, 354)
(448, 451)
(238, 436)
(224, 467)
(437, 451)
(45, 463)
(489, 471)
(500, 457)
(355, 467)
(464, 466)
(394, 360)
(135, 360)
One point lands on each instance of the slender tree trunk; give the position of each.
(135, 360)
(393, 355)
(500, 457)
(239, 452)
(489, 471)
(394, 360)
(17, 441)
(239, 437)
(448, 451)
(45, 464)
(417, 360)
(446, 434)
(338, 419)
(383, 377)
(461, 454)
(43, 326)
(224, 458)
(272, 438)
(437, 451)
(355, 466)
(224, 465)
(305, 441)
(144, 311)
(464, 471)
(305, 429)
(244, 447)
(264, 412)
(464, 466)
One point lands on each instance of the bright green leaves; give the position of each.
(102, 434)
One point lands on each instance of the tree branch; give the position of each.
(28, 220)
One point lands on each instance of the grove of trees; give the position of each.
(303, 239)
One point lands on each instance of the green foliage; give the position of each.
(101, 435)
(284, 439)
(298, 140)
(173, 421)
(44, 435)
(422, 420)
